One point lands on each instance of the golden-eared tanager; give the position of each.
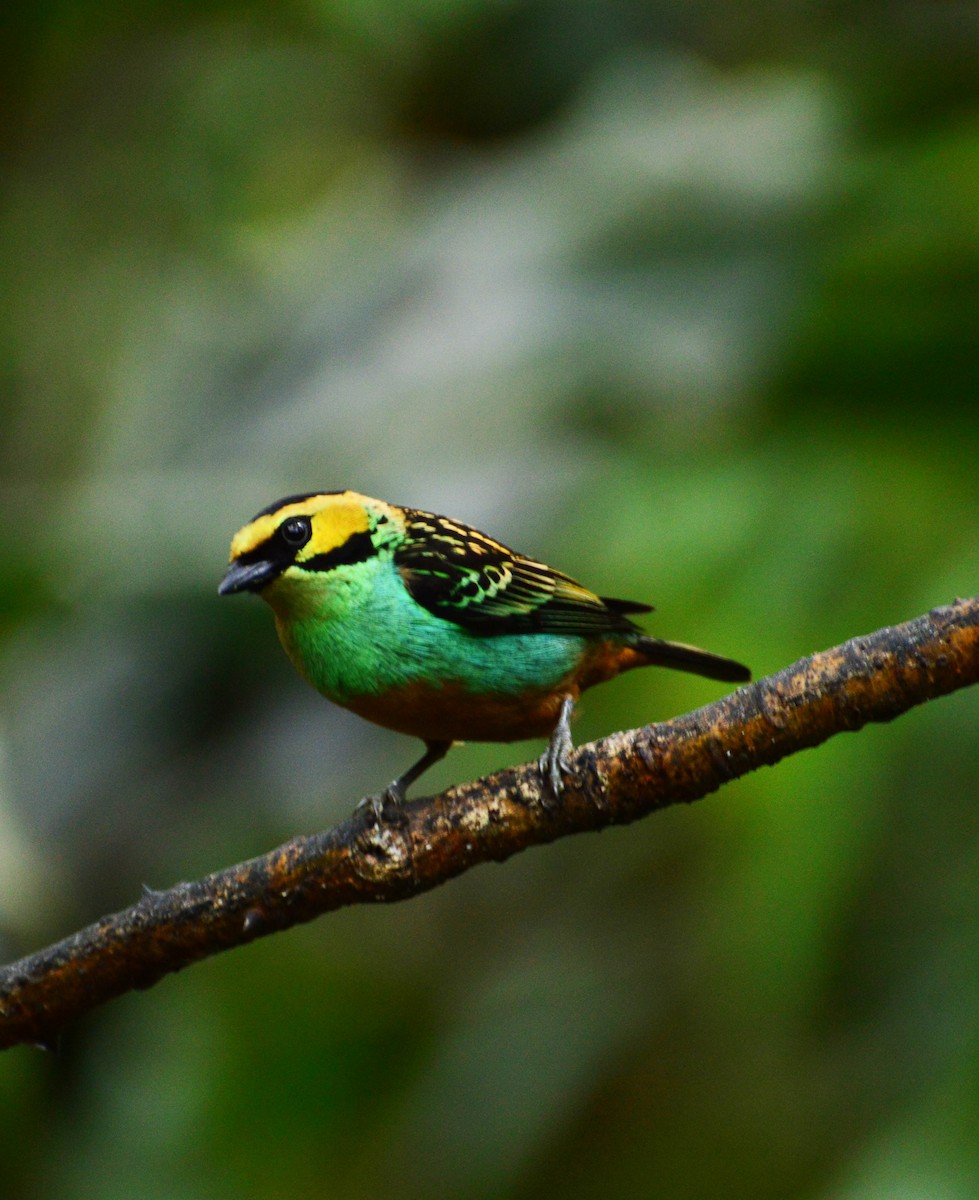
(426, 626)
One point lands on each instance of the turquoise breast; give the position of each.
(360, 633)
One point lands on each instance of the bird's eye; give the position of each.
(296, 531)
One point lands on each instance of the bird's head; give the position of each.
(311, 534)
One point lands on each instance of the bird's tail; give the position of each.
(689, 658)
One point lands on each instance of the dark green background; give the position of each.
(679, 297)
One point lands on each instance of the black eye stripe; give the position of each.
(281, 546)
(357, 548)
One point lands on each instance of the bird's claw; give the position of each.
(393, 796)
(553, 768)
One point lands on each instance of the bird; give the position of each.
(426, 626)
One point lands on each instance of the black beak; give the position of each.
(248, 577)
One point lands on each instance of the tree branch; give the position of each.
(618, 779)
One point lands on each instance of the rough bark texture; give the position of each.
(618, 779)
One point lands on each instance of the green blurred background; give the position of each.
(679, 297)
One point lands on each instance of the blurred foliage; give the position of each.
(680, 297)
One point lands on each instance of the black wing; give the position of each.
(466, 577)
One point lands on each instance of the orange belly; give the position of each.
(451, 713)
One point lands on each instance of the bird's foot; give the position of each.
(393, 796)
(555, 762)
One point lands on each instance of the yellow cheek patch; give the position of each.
(333, 525)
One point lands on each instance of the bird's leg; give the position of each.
(434, 752)
(395, 791)
(554, 764)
